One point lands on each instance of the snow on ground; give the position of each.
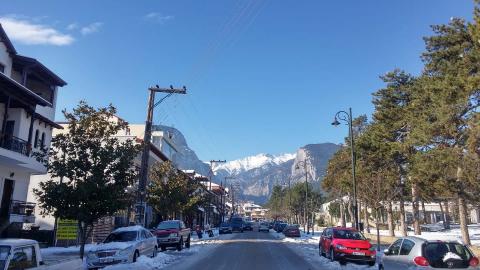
(307, 247)
(454, 234)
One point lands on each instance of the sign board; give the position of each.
(67, 229)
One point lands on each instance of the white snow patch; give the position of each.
(252, 162)
(451, 255)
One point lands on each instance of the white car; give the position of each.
(19, 254)
(263, 227)
(123, 245)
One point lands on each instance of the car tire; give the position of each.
(187, 244)
(180, 245)
(320, 251)
(342, 262)
(135, 256)
(332, 255)
(155, 252)
(163, 248)
(371, 264)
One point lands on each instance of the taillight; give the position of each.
(421, 261)
(474, 262)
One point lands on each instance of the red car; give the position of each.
(346, 244)
(172, 233)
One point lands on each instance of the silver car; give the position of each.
(418, 253)
(123, 245)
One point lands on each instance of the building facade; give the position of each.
(28, 96)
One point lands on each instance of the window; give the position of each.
(23, 258)
(2, 68)
(144, 235)
(407, 246)
(35, 142)
(42, 142)
(395, 248)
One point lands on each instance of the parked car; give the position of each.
(123, 245)
(19, 254)
(237, 224)
(248, 226)
(415, 253)
(264, 227)
(225, 228)
(346, 244)
(172, 233)
(291, 231)
(280, 227)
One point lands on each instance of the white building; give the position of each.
(28, 94)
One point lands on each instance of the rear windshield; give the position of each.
(447, 255)
(348, 234)
(224, 225)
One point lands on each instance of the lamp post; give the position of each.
(347, 117)
(305, 214)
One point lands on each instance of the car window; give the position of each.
(143, 235)
(4, 252)
(329, 232)
(149, 234)
(348, 234)
(182, 225)
(23, 258)
(407, 246)
(395, 247)
(447, 255)
(125, 236)
(168, 225)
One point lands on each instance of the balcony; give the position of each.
(14, 144)
(23, 212)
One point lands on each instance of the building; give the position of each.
(28, 96)
(253, 211)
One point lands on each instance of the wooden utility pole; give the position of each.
(141, 196)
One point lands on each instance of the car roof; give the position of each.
(14, 242)
(129, 229)
(344, 228)
(424, 240)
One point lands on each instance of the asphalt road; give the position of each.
(247, 251)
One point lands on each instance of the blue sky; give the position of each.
(262, 76)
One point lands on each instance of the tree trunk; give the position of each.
(359, 211)
(462, 208)
(391, 226)
(447, 215)
(403, 225)
(84, 231)
(365, 217)
(342, 215)
(444, 220)
(415, 209)
(350, 212)
(425, 221)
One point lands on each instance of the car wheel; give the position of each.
(155, 252)
(163, 248)
(342, 262)
(332, 255)
(320, 251)
(135, 256)
(371, 264)
(180, 245)
(187, 244)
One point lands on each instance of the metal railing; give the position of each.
(22, 208)
(15, 144)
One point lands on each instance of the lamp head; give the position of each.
(335, 122)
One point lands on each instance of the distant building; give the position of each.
(28, 96)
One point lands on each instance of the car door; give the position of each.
(404, 259)
(152, 240)
(145, 242)
(327, 240)
(390, 260)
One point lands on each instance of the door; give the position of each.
(8, 186)
(405, 259)
(8, 134)
(390, 261)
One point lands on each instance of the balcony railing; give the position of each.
(21, 211)
(15, 144)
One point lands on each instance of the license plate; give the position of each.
(106, 260)
(358, 253)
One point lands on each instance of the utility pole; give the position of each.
(306, 195)
(225, 201)
(141, 196)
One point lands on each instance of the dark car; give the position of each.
(237, 224)
(248, 226)
(280, 227)
(225, 228)
(291, 231)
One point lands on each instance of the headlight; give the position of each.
(340, 247)
(372, 249)
(125, 252)
(91, 255)
(173, 235)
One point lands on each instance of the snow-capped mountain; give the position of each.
(245, 164)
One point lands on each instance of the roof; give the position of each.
(17, 242)
(50, 122)
(25, 60)
(4, 38)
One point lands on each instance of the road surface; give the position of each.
(249, 250)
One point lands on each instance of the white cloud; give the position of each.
(28, 32)
(157, 17)
(91, 28)
(72, 26)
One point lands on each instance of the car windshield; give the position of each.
(224, 225)
(4, 252)
(167, 225)
(237, 221)
(125, 236)
(447, 255)
(348, 234)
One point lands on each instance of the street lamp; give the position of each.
(347, 117)
(305, 214)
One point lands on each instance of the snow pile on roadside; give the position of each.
(66, 250)
(143, 262)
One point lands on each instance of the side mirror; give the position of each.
(386, 252)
